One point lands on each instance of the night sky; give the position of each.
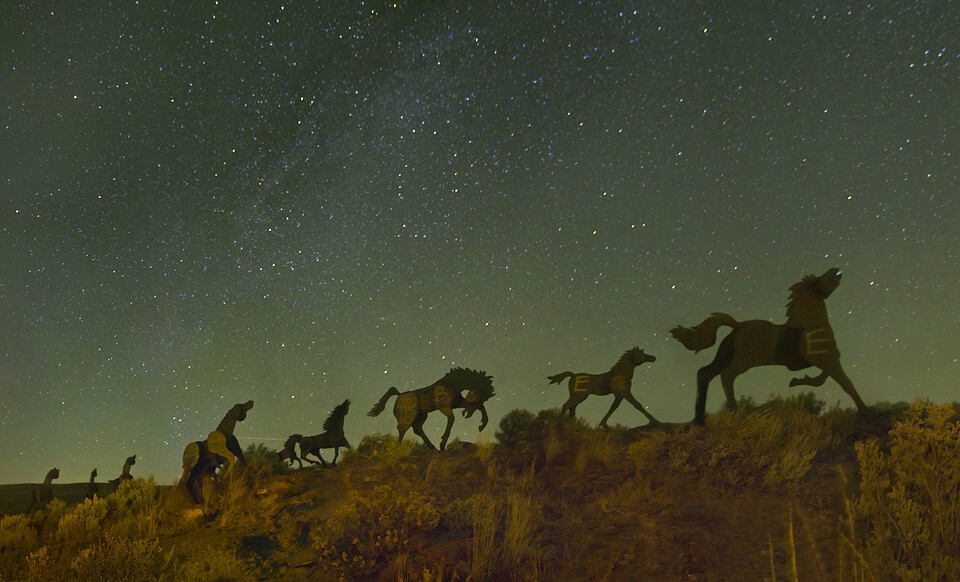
(297, 203)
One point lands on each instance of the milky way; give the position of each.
(301, 203)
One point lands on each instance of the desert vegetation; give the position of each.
(784, 490)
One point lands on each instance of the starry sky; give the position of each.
(302, 202)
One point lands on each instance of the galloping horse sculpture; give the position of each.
(332, 437)
(43, 494)
(616, 381)
(203, 458)
(445, 395)
(805, 340)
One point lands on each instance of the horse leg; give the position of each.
(418, 429)
(191, 455)
(629, 397)
(446, 433)
(336, 453)
(217, 445)
(835, 370)
(572, 402)
(616, 402)
(704, 376)
(809, 380)
(727, 378)
(233, 445)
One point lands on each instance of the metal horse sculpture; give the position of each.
(446, 395)
(203, 458)
(332, 437)
(805, 340)
(43, 494)
(616, 381)
(125, 475)
(92, 488)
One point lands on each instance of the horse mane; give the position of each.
(334, 421)
(473, 380)
(806, 307)
(292, 440)
(625, 358)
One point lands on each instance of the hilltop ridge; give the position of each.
(760, 492)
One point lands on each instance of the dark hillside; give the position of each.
(775, 491)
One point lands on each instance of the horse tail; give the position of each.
(704, 334)
(379, 406)
(557, 378)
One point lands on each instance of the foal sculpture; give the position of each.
(615, 381)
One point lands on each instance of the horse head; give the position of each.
(288, 451)
(638, 356)
(132, 460)
(477, 383)
(242, 408)
(54, 473)
(827, 283)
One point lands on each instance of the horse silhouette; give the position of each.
(805, 340)
(43, 494)
(332, 437)
(446, 395)
(616, 381)
(203, 458)
(92, 488)
(125, 475)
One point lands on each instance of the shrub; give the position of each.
(909, 499)
(133, 497)
(213, 564)
(120, 560)
(262, 460)
(514, 427)
(384, 447)
(47, 521)
(770, 446)
(83, 522)
(361, 537)
(18, 538)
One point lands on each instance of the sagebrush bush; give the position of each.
(358, 540)
(514, 427)
(535, 440)
(83, 522)
(121, 560)
(262, 460)
(768, 446)
(212, 564)
(910, 498)
(133, 497)
(18, 539)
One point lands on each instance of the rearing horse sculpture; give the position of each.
(445, 395)
(805, 340)
(202, 458)
(616, 381)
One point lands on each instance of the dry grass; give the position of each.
(483, 547)
(754, 495)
